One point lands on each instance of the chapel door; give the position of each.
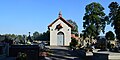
(60, 39)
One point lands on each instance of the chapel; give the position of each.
(60, 32)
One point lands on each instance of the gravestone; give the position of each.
(100, 56)
(31, 51)
(1, 49)
(4, 48)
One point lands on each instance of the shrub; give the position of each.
(73, 43)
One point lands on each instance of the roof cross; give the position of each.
(60, 14)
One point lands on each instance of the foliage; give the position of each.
(94, 20)
(22, 56)
(20, 38)
(41, 36)
(36, 35)
(114, 17)
(75, 29)
(81, 35)
(73, 43)
(45, 36)
(110, 35)
(9, 38)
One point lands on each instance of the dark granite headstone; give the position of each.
(100, 56)
(31, 51)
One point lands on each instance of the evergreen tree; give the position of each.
(74, 24)
(114, 17)
(110, 35)
(94, 20)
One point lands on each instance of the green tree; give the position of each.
(8, 39)
(36, 35)
(20, 38)
(11, 36)
(110, 35)
(75, 29)
(114, 17)
(94, 20)
(73, 43)
(45, 36)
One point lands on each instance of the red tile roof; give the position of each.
(73, 36)
(62, 19)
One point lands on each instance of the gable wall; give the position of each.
(53, 33)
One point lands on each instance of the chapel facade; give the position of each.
(60, 32)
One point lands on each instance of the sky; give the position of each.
(23, 16)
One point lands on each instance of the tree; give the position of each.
(45, 36)
(2, 37)
(8, 40)
(73, 43)
(21, 39)
(110, 35)
(94, 20)
(114, 17)
(11, 36)
(75, 29)
(36, 35)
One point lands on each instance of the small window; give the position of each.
(68, 29)
(51, 29)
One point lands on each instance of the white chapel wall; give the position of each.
(53, 33)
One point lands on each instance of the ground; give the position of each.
(62, 53)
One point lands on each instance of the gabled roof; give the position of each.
(62, 19)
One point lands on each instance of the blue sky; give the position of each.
(23, 16)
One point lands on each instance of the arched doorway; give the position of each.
(60, 39)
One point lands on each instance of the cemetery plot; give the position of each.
(29, 52)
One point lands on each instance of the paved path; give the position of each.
(112, 55)
(62, 53)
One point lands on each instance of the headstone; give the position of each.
(31, 51)
(100, 56)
